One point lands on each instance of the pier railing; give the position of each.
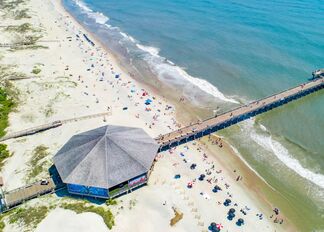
(231, 117)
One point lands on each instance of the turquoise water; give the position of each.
(221, 53)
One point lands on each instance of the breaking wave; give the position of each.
(152, 50)
(100, 18)
(268, 143)
(170, 73)
(193, 88)
(128, 37)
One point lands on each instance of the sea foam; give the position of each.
(127, 37)
(152, 50)
(268, 143)
(170, 73)
(99, 17)
(166, 70)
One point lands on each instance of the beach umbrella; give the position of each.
(201, 177)
(240, 222)
(230, 217)
(231, 210)
(212, 227)
(177, 176)
(219, 226)
(227, 202)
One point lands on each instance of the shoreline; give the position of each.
(247, 169)
(164, 164)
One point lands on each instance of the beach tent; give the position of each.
(96, 161)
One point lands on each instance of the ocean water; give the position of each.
(220, 54)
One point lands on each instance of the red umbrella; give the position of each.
(219, 226)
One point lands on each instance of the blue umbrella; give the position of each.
(177, 176)
(240, 222)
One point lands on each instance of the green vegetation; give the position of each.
(7, 74)
(21, 14)
(36, 70)
(111, 202)
(48, 111)
(132, 203)
(106, 214)
(4, 154)
(9, 5)
(6, 106)
(2, 224)
(26, 42)
(23, 28)
(37, 164)
(29, 217)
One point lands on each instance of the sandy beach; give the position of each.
(79, 79)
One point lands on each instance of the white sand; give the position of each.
(66, 221)
(81, 92)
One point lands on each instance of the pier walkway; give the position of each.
(44, 127)
(211, 125)
(20, 195)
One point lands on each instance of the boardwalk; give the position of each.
(239, 114)
(44, 127)
(20, 195)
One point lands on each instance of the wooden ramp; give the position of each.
(20, 195)
(37, 129)
(211, 125)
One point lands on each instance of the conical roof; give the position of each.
(106, 156)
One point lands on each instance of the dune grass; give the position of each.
(7, 104)
(23, 28)
(9, 5)
(110, 202)
(28, 217)
(21, 14)
(2, 224)
(4, 154)
(79, 207)
(36, 70)
(37, 164)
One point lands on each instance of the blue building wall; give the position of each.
(87, 191)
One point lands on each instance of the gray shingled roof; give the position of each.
(106, 156)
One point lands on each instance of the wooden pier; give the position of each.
(20, 195)
(44, 127)
(211, 125)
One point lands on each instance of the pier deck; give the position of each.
(239, 114)
(44, 127)
(20, 195)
